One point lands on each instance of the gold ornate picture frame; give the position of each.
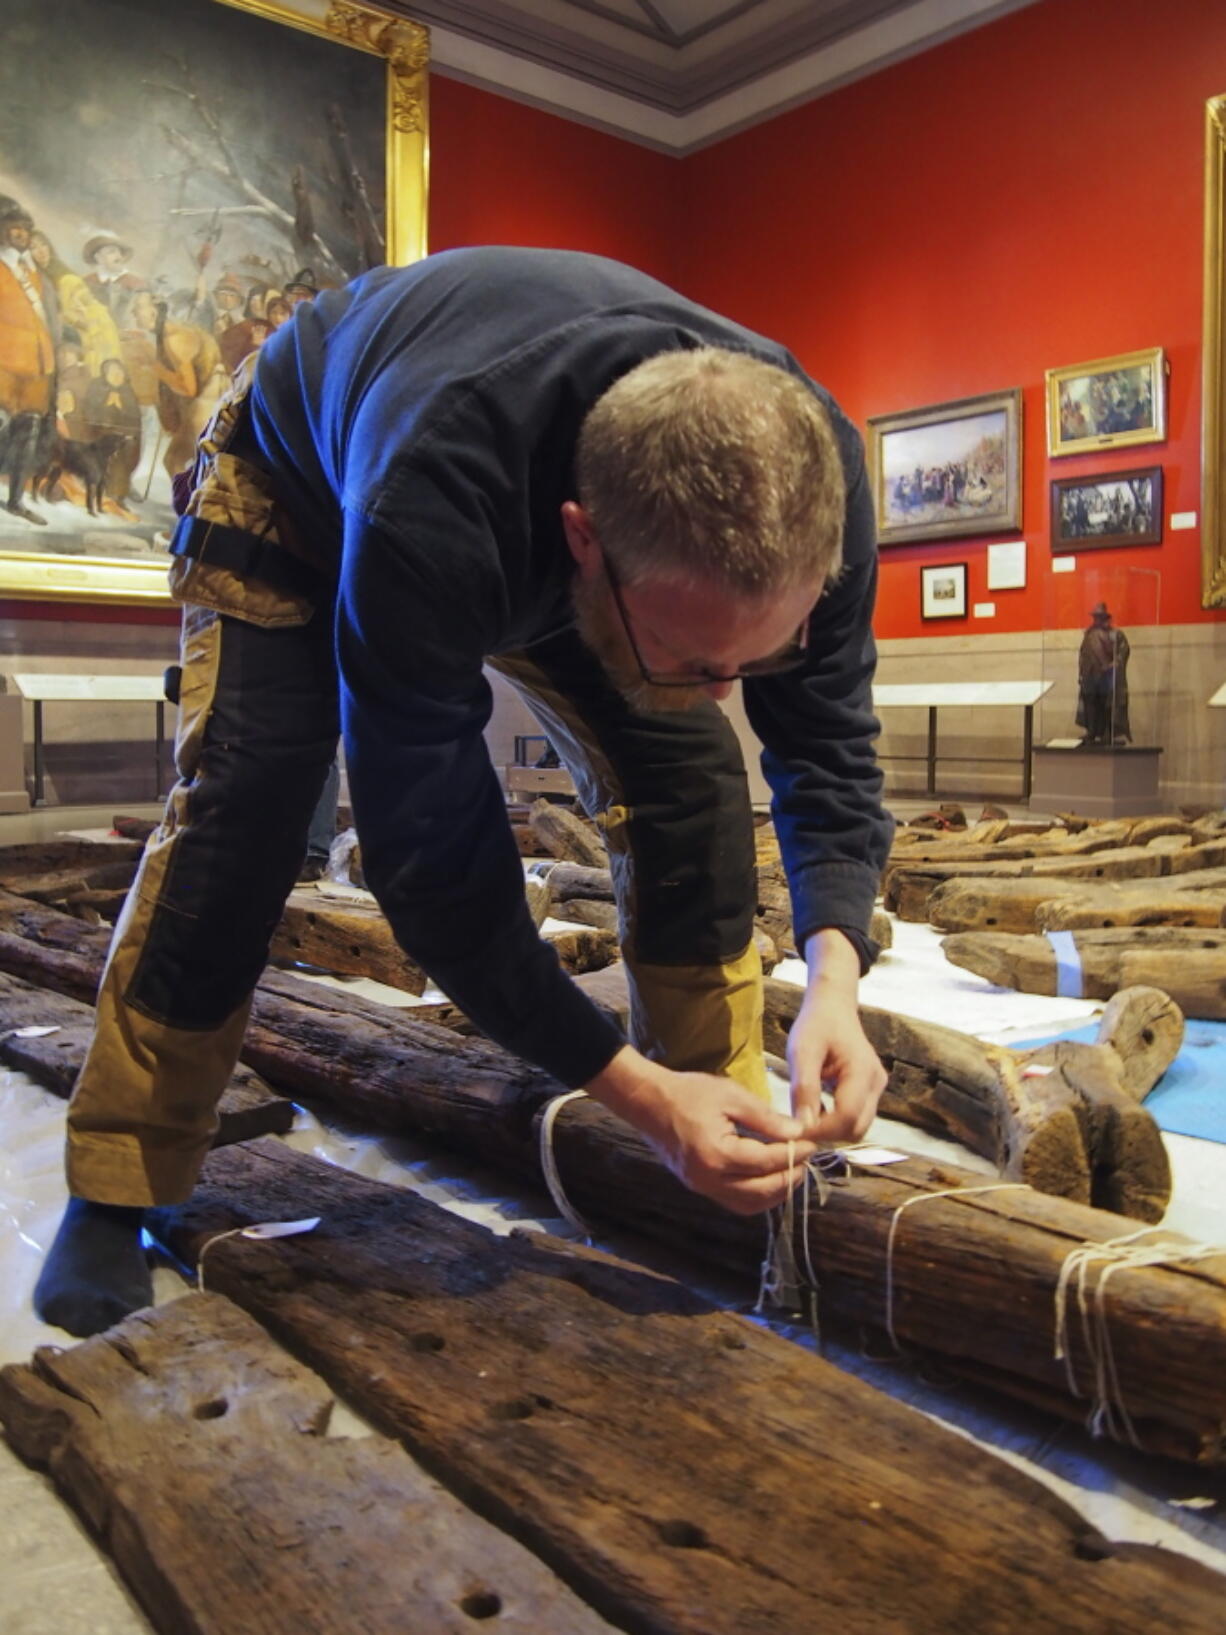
(1107, 403)
(176, 176)
(1213, 419)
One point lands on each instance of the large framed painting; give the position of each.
(174, 180)
(1213, 436)
(948, 470)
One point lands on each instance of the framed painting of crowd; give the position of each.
(1114, 508)
(949, 470)
(1108, 403)
(174, 182)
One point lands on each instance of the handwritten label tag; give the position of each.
(281, 1229)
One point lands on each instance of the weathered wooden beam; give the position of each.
(909, 888)
(347, 937)
(133, 828)
(563, 835)
(1028, 905)
(566, 880)
(774, 913)
(32, 858)
(404, 1076)
(1067, 1120)
(515, 1368)
(588, 911)
(197, 1453)
(1189, 963)
(247, 1108)
(979, 1276)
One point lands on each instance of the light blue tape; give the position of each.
(1068, 964)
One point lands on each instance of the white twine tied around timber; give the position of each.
(781, 1283)
(909, 1203)
(549, 1164)
(1108, 1411)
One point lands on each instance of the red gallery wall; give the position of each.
(502, 173)
(1023, 197)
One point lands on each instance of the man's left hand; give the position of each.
(827, 1047)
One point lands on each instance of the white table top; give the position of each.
(959, 692)
(103, 689)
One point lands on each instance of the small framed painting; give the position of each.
(943, 591)
(1116, 508)
(1108, 403)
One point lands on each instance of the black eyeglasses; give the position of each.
(790, 657)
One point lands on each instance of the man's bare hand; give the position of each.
(694, 1122)
(827, 1047)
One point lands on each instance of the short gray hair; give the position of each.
(713, 465)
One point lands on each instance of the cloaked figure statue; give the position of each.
(1102, 676)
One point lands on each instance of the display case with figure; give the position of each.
(1103, 662)
(1102, 681)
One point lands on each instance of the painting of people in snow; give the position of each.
(167, 200)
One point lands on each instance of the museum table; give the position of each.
(78, 689)
(938, 695)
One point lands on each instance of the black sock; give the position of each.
(95, 1271)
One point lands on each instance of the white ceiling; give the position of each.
(680, 74)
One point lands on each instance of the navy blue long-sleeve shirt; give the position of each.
(426, 418)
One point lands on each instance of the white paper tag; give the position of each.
(874, 1155)
(33, 1033)
(280, 1229)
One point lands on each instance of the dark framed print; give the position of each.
(1114, 508)
(174, 180)
(1108, 403)
(943, 591)
(949, 470)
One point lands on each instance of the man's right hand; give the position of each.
(694, 1122)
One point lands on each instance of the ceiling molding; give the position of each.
(679, 90)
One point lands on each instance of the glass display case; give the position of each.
(1096, 750)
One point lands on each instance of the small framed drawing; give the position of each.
(1115, 508)
(1108, 403)
(943, 591)
(949, 470)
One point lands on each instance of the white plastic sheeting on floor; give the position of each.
(54, 1582)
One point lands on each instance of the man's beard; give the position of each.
(602, 632)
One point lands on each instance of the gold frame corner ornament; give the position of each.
(405, 45)
(1213, 418)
